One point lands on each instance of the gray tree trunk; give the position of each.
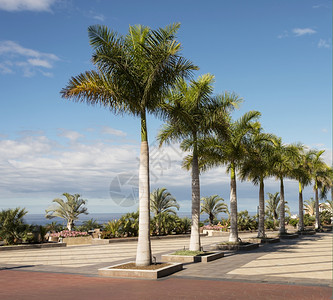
(282, 229)
(300, 209)
(195, 230)
(317, 224)
(261, 225)
(143, 254)
(233, 236)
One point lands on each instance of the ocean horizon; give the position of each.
(101, 218)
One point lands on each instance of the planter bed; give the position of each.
(288, 236)
(264, 240)
(204, 258)
(78, 240)
(307, 232)
(32, 246)
(119, 271)
(134, 239)
(236, 247)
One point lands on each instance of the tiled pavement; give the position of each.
(301, 269)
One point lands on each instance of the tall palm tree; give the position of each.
(162, 202)
(190, 112)
(321, 177)
(256, 167)
(212, 206)
(133, 74)
(272, 206)
(302, 173)
(283, 158)
(68, 210)
(228, 148)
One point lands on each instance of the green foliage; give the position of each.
(309, 220)
(245, 221)
(112, 229)
(162, 204)
(293, 222)
(212, 206)
(68, 210)
(130, 224)
(54, 227)
(12, 226)
(270, 224)
(89, 225)
(325, 217)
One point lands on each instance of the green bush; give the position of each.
(309, 220)
(293, 222)
(245, 221)
(12, 226)
(269, 224)
(325, 217)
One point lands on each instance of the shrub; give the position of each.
(269, 224)
(293, 222)
(325, 217)
(309, 220)
(12, 226)
(245, 221)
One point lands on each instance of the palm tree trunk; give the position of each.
(233, 236)
(261, 225)
(282, 229)
(143, 253)
(300, 208)
(317, 224)
(195, 230)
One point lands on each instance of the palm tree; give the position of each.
(256, 167)
(12, 225)
(190, 112)
(228, 147)
(321, 177)
(272, 206)
(212, 206)
(133, 74)
(68, 210)
(310, 206)
(302, 173)
(162, 202)
(282, 167)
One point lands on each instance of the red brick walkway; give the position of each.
(37, 285)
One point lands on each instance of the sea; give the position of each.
(101, 218)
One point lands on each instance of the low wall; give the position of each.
(79, 240)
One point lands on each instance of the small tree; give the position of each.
(162, 203)
(68, 210)
(12, 226)
(212, 206)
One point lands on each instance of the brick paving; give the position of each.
(301, 269)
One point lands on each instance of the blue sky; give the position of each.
(277, 55)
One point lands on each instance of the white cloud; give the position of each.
(27, 60)
(73, 136)
(112, 131)
(99, 17)
(324, 43)
(31, 5)
(303, 31)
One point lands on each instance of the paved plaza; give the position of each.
(299, 268)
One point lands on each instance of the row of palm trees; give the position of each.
(143, 73)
